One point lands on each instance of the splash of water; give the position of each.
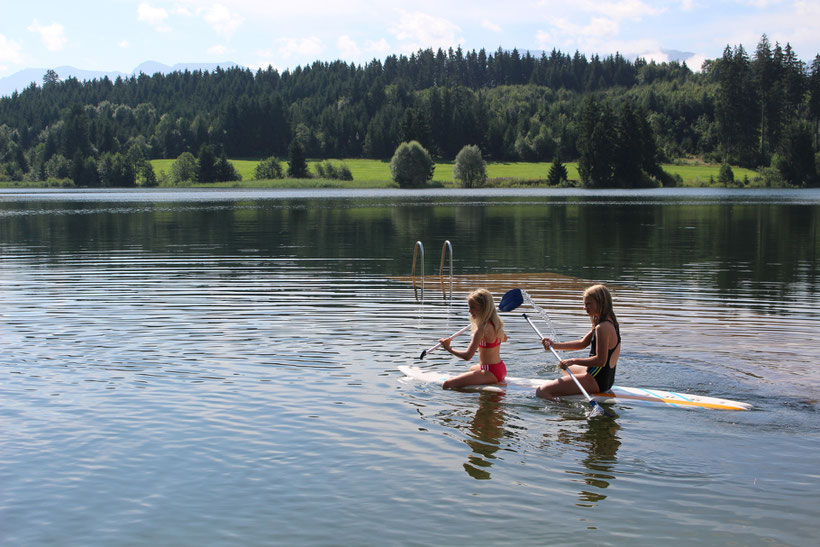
(542, 313)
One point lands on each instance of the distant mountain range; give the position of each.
(22, 79)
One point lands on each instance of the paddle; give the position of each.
(596, 408)
(511, 300)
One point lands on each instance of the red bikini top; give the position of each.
(484, 344)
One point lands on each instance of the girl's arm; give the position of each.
(604, 334)
(568, 346)
(468, 353)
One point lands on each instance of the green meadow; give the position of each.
(376, 174)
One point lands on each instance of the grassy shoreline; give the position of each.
(369, 173)
(376, 174)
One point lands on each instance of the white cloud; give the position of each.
(695, 62)
(183, 11)
(615, 9)
(155, 17)
(620, 10)
(378, 49)
(601, 26)
(421, 31)
(264, 59)
(222, 20)
(124, 44)
(217, 50)
(489, 25)
(762, 4)
(598, 28)
(300, 47)
(600, 36)
(593, 27)
(10, 51)
(53, 35)
(808, 13)
(348, 49)
(650, 55)
(649, 49)
(544, 40)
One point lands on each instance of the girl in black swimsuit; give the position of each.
(596, 372)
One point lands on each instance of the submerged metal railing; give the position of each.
(418, 250)
(444, 248)
(418, 258)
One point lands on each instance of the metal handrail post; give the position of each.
(418, 249)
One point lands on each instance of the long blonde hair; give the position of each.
(483, 300)
(601, 295)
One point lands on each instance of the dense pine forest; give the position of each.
(757, 110)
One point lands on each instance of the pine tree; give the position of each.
(736, 108)
(627, 168)
(558, 172)
(726, 176)
(814, 97)
(597, 150)
(297, 163)
(764, 78)
(207, 164)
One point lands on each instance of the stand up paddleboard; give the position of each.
(617, 394)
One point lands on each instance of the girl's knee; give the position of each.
(543, 392)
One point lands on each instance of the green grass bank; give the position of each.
(369, 173)
(376, 174)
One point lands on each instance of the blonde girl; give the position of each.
(596, 372)
(488, 333)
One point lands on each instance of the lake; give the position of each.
(219, 367)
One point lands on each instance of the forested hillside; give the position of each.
(755, 110)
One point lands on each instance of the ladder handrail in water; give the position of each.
(418, 257)
(416, 249)
(447, 245)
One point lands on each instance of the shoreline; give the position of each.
(370, 174)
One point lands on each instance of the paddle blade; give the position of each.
(598, 410)
(423, 353)
(511, 300)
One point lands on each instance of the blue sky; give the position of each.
(118, 35)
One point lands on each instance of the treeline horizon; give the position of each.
(759, 111)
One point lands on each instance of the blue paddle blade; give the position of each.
(511, 300)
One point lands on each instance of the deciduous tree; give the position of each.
(470, 167)
(411, 165)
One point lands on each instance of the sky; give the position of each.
(118, 35)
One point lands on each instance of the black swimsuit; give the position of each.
(605, 375)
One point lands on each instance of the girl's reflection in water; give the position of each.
(484, 436)
(598, 437)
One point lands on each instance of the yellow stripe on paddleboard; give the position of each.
(700, 404)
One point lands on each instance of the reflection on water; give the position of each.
(219, 367)
(598, 439)
(486, 430)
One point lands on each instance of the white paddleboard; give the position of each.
(615, 395)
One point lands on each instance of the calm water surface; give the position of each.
(219, 367)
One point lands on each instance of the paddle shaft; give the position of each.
(571, 375)
(462, 331)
